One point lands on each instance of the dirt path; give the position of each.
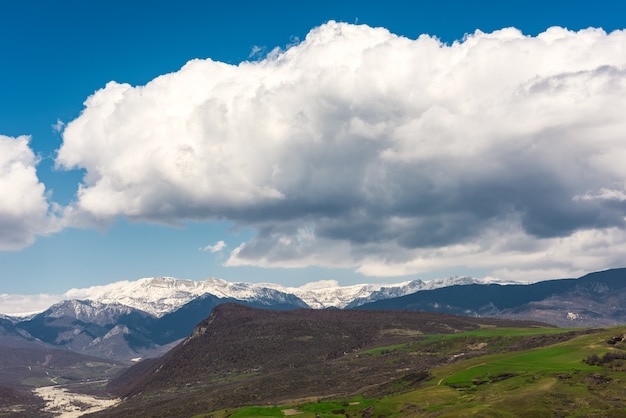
(66, 404)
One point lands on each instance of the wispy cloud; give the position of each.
(27, 304)
(604, 194)
(256, 52)
(58, 126)
(214, 248)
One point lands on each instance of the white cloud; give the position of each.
(58, 126)
(607, 194)
(215, 248)
(357, 147)
(256, 51)
(24, 209)
(27, 304)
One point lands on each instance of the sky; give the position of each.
(291, 142)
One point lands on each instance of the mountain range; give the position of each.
(161, 295)
(127, 321)
(596, 299)
(131, 320)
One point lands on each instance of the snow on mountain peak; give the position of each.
(155, 295)
(88, 311)
(320, 285)
(160, 295)
(329, 294)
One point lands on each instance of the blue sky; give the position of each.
(277, 185)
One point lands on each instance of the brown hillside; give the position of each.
(241, 355)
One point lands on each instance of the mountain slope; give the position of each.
(116, 331)
(596, 299)
(181, 323)
(575, 375)
(33, 365)
(94, 328)
(243, 355)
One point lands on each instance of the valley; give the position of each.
(331, 209)
(386, 353)
(66, 402)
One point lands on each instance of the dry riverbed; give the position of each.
(65, 404)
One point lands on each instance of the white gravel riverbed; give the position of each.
(65, 404)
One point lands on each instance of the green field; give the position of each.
(539, 382)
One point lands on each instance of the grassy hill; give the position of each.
(241, 356)
(574, 378)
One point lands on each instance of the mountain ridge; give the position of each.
(160, 295)
(101, 326)
(131, 320)
(595, 299)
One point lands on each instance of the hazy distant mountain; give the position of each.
(596, 299)
(415, 286)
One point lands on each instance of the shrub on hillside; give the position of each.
(595, 360)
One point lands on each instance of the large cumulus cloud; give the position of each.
(361, 148)
(24, 208)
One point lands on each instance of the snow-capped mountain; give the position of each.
(411, 287)
(329, 294)
(109, 329)
(8, 318)
(89, 311)
(161, 295)
(155, 295)
(127, 320)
